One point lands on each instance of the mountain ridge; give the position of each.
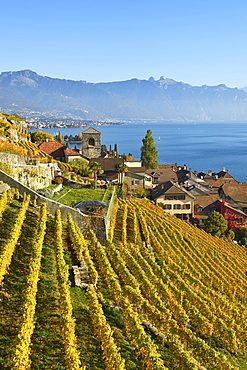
(27, 93)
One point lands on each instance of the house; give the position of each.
(59, 151)
(233, 217)
(157, 176)
(108, 165)
(174, 199)
(235, 194)
(206, 204)
(134, 180)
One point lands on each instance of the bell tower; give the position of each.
(91, 143)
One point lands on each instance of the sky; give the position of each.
(195, 41)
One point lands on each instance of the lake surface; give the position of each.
(201, 146)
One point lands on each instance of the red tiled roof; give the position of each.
(70, 151)
(50, 146)
(56, 149)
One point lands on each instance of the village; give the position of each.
(189, 195)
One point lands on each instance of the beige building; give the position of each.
(174, 199)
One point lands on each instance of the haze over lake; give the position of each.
(201, 146)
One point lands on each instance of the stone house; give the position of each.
(134, 180)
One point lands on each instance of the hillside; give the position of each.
(32, 95)
(162, 295)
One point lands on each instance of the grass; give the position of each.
(70, 196)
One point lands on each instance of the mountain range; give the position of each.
(31, 95)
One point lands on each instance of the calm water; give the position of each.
(201, 146)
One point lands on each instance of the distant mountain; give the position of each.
(244, 88)
(29, 94)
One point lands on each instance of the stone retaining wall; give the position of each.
(85, 222)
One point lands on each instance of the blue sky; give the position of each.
(197, 42)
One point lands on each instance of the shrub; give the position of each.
(48, 193)
(58, 180)
(140, 192)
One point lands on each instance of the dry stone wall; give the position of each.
(85, 222)
(29, 171)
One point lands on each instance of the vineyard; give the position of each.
(160, 294)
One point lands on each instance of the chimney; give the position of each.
(224, 169)
(210, 172)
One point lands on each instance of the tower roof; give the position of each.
(91, 130)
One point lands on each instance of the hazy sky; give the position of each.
(194, 41)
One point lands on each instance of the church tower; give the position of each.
(91, 143)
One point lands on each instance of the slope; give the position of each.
(162, 294)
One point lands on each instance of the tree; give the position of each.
(39, 137)
(80, 166)
(95, 168)
(215, 224)
(122, 169)
(149, 153)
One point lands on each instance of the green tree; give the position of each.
(80, 166)
(215, 224)
(122, 169)
(95, 168)
(149, 153)
(39, 137)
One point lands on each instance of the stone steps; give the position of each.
(81, 275)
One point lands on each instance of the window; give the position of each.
(148, 179)
(91, 142)
(176, 206)
(167, 206)
(135, 182)
(186, 206)
(174, 197)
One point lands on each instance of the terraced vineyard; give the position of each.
(162, 294)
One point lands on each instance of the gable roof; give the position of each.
(237, 192)
(164, 174)
(50, 147)
(56, 149)
(169, 187)
(108, 164)
(71, 152)
(91, 130)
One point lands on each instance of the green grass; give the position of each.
(70, 196)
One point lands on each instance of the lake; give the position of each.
(201, 146)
